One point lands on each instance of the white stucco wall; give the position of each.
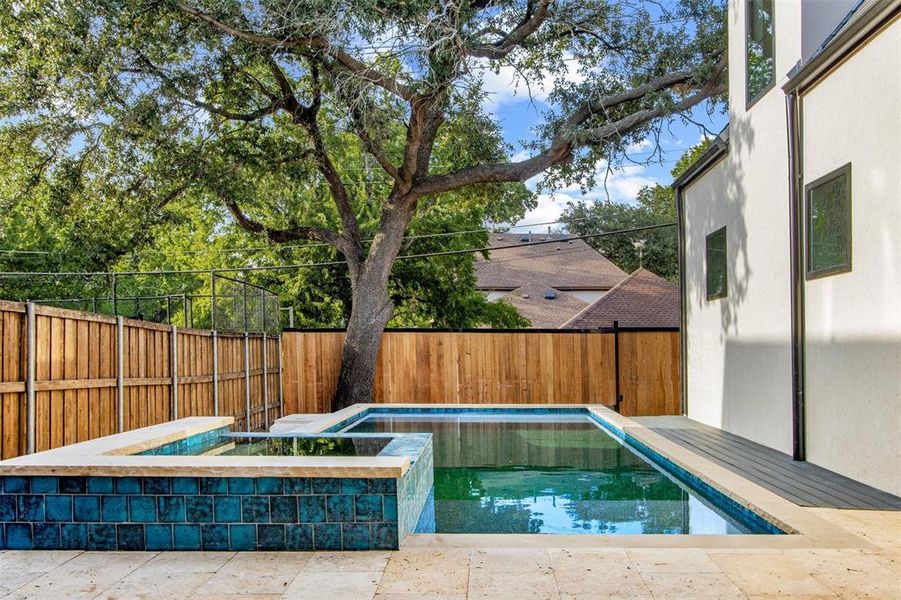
(853, 320)
(739, 365)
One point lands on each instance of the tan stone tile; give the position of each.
(510, 559)
(84, 576)
(590, 563)
(597, 573)
(153, 584)
(425, 572)
(236, 597)
(700, 586)
(348, 561)
(14, 579)
(417, 596)
(672, 560)
(331, 585)
(513, 573)
(760, 573)
(34, 561)
(794, 597)
(522, 585)
(849, 572)
(188, 562)
(255, 573)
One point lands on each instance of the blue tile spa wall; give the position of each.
(198, 513)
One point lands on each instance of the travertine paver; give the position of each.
(352, 585)
(260, 573)
(509, 573)
(426, 572)
(457, 573)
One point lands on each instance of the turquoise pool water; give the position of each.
(520, 473)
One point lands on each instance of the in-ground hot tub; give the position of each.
(192, 485)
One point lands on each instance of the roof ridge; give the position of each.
(612, 293)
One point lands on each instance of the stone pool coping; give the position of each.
(807, 529)
(115, 456)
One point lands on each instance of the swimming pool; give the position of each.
(522, 471)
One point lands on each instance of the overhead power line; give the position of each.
(330, 263)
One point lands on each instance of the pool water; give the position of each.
(267, 445)
(549, 474)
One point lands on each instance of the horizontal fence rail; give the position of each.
(481, 367)
(69, 376)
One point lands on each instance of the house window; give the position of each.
(760, 67)
(716, 265)
(829, 224)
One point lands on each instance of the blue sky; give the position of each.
(517, 113)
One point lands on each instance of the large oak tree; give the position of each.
(244, 99)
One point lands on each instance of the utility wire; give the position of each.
(332, 263)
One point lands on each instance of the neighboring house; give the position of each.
(642, 299)
(565, 265)
(543, 306)
(790, 229)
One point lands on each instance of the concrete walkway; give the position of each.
(430, 570)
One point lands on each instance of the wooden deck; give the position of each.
(803, 483)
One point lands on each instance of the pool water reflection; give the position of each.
(553, 474)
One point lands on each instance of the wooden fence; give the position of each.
(68, 376)
(522, 367)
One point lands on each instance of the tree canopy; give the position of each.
(339, 122)
(656, 250)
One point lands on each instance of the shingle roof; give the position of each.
(566, 265)
(545, 313)
(641, 300)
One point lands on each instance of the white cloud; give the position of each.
(623, 184)
(549, 209)
(508, 85)
(640, 145)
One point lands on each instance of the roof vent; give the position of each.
(500, 238)
(526, 295)
(570, 242)
(550, 295)
(523, 238)
(558, 247)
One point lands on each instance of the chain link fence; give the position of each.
(241, 306)
(205, 300)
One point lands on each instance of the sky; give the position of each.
(519, 108)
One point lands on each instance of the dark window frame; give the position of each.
(749, 99)
(808, 238)
(725, 291)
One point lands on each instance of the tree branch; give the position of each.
(569, 137)
(516, 36)
(372, 146)
(352, 64)
(307, 116)
(282, 235)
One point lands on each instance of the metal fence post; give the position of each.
(619, 397)
(31, 356)
(265, 364)
(246, 381)
(173, 366)
(215, 374)
(212, 300)
(114, 293)
(120, 373)
(265, 381)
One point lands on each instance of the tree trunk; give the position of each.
(371, 310)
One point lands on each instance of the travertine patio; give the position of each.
(432, 567)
